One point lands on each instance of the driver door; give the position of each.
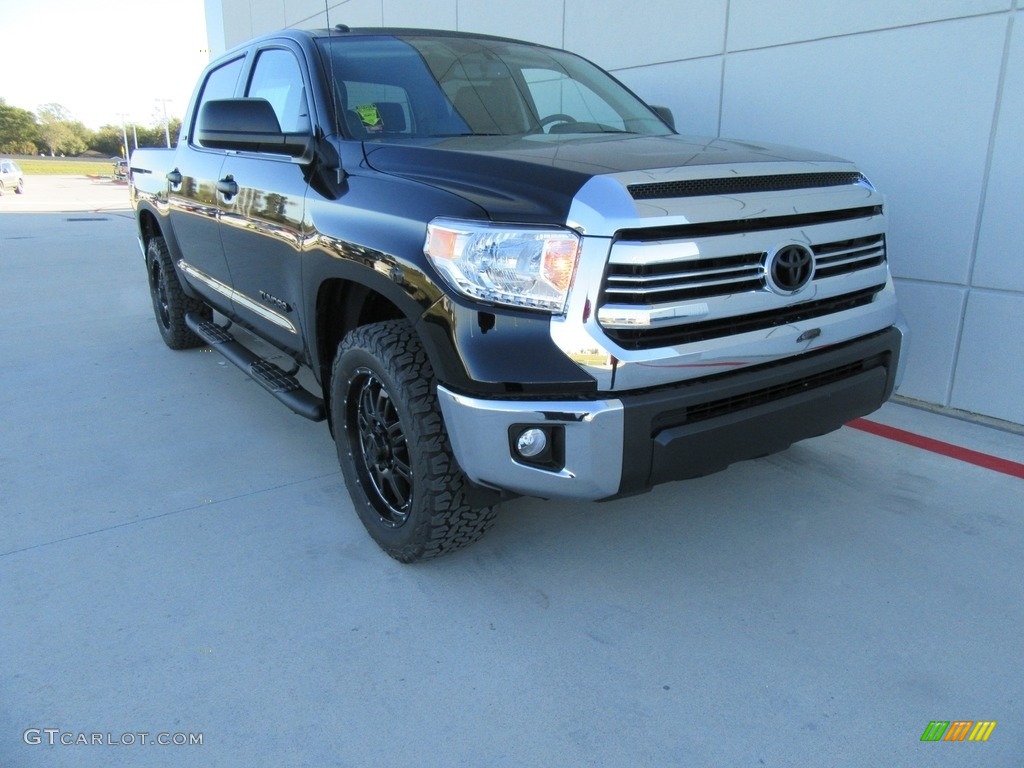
(262, 222)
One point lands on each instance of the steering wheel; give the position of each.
(558, 117)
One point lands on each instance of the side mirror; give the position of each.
(247, 125)
(666, 115)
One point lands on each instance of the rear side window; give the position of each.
(278, 79)
(220, 84)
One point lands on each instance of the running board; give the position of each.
(277, 382)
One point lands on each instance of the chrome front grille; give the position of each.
(669, 286)
(845, 256)
(700, 270)
(643, 284)
(690, 279)
(689, 333)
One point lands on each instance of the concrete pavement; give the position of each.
(179, 558)
(47, 194)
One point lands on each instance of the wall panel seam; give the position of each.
(328, 9)
(982, 198)
(721, 69)
(1006, 292)
(858, 33)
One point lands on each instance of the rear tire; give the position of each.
(170, 303)
(393, 447)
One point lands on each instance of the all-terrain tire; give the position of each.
(393, 447)
(170, 303)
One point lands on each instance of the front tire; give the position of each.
(170, 303)
(393, 447)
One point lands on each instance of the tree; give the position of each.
(59, 133)
(58, 138)
(18, 148)
(109, 139)
(18, 131)
(174, 126)
(54, 113)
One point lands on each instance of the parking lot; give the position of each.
(179, 557)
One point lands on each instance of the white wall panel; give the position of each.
(907, 105)
(438, 14)
(1000, 259)
(933, 313)
(267, 16)
(760, 23)
(689, 88)
(655, 31)
(317, 21)
(307, 13)
(354, 13)
(536, 20)
(990, 371)
(215, 28)
(237, 22)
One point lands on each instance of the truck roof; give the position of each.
(340, 31)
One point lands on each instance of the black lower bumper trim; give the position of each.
(701, 427)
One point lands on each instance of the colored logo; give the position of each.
(958, 730)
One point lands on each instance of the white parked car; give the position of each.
(11, 177)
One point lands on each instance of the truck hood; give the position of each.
(536, 178)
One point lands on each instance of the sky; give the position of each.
(102, 58)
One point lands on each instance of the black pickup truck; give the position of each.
(495, 271)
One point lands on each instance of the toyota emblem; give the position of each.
(789, 268)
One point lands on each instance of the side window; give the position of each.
(220, 84)
(278, 79)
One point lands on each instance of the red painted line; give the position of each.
(996, 464)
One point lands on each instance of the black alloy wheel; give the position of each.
(393, 448)
(384, 451)
(170, 302)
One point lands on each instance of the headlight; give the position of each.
(505, 264)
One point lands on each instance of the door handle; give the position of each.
(174, 177)
(227, 186)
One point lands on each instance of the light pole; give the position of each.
(124, 134)
(167, 129)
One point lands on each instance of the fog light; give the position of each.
(531, 442)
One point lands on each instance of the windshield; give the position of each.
(427, 86)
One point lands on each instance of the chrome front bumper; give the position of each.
(627, 444)
(593, 430)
